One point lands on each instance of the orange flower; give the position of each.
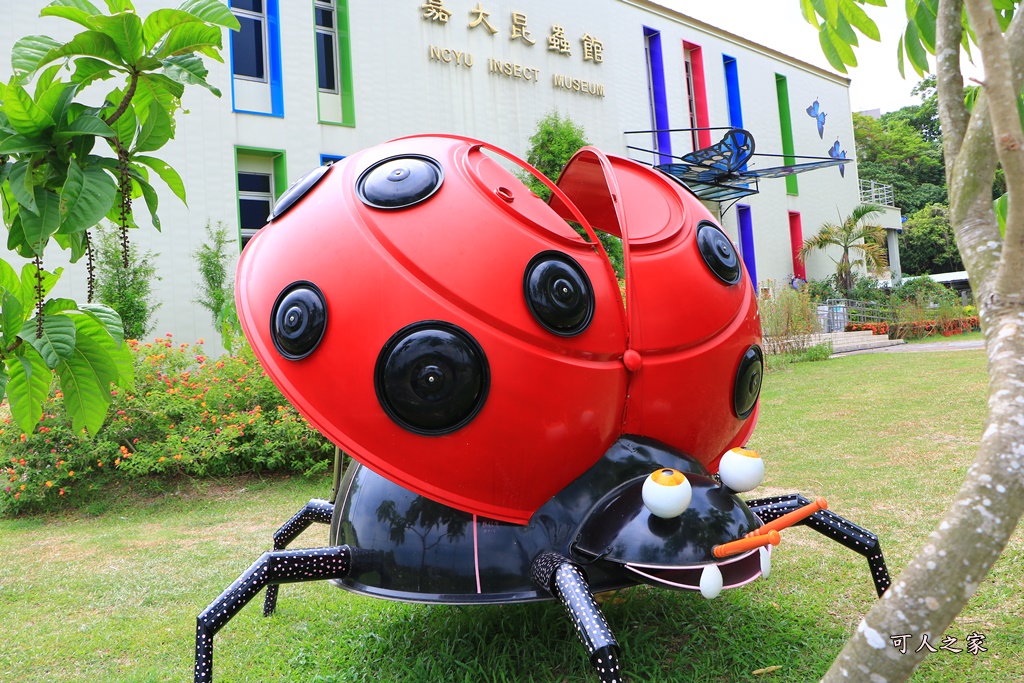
(49, 484)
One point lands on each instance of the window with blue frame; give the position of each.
(249, 43)
(257, 84)
(330, 159)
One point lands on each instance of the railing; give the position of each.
(876, 193)
(835, 314)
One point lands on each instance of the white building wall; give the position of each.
(400, 90)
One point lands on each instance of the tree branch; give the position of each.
(133, 83)
(953, 114)
(1002, 85)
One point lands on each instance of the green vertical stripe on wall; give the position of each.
(786, 124)
(348, 105)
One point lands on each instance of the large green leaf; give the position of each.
(57, 342)
(107, 317)
(85, 125)
(27, 117)
(89, 69)
(915, 50)
(87, 44)
(46, 78)
(28, 54)
(1001, 206)
(152, 201)
(859, 19)
(53, 306)
(125, 29)
(30, 281)
(120, 5)
(28, 387)
(87, 196)
(188, 69)
(166, 173)
(212, 12)
(829, 49)
(3, 381)
(56, 100)
(87, 325)
(924, 17)
(807, 8)
(12, 314)
(16, 238)
(78, 12)
(85, 380)
(157, 129)
(23, 144)
(188, 38)
(161, 21)
(157, 88)
(40, 224)
(9, 280)
(22, 185)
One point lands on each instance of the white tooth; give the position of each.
(766, 562)
(711, 581)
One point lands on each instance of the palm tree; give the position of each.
(853, 233)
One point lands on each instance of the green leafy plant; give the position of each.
(217, 291)
(129, 291)
(789, 318)
(55, 184)
(187, 415)
(556, 139)
(852, 233)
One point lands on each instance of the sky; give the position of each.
(778, 24)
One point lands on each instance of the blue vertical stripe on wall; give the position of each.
(656, 69)
(276, 69)
(747, 241)
(732, 89)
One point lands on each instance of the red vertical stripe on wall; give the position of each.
(796, 238)
(700, 96)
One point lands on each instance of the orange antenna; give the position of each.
(744, 544)
(791, 518)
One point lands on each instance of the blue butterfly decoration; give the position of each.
(834, 152)
(815, 113)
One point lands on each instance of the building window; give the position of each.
(330, 159)
(326, 46)
(249, 44)
(691, 101)
(255, 202)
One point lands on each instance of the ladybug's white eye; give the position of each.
(667, 493)
(741, 469)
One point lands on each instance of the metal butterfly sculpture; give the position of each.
(448, 328)
(720, 172)
(815, 113)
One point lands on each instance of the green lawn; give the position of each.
(885, 437)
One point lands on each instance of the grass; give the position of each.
(969, 336)
(886, 438)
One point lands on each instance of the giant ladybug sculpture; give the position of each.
(524, 430)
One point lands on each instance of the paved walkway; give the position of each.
(923, 347)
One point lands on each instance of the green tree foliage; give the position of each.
(66, 164)
(129, 291)
(557, 138)
(217, 290)
(853, 235)
(927, 244)
(894, 151)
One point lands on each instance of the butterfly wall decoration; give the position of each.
(814, 111)
(834, 152)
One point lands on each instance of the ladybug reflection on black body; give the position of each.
(501, 395)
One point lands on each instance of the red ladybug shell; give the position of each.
(551, 404)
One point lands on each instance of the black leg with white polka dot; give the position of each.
(316, 511)
(835, 527)
(563, 579)
(278, 566)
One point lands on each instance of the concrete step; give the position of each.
(844, 342)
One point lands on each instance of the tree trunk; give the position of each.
(934, 587)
